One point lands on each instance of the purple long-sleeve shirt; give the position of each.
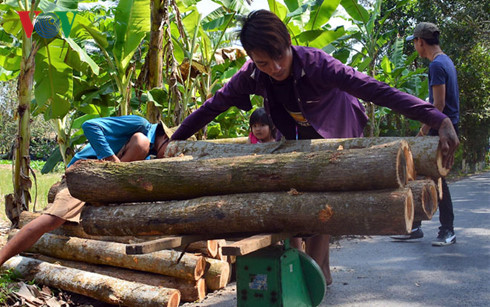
(326, 91)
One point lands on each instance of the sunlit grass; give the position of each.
(43, 182)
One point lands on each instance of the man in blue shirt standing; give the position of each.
(444, 95)
(118, 139)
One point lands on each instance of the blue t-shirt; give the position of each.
(107, 135)
(442, 71)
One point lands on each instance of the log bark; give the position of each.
(103, 288)
(53, 190)
(377, 167)
(375, 212)
(426, 153)
(76, 230)
(217, 274)
(109, 253)
(424, 198)
(190, 290)
(237, 140)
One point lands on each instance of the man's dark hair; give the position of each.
(432, 41)
(263, 30)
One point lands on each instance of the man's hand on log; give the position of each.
(112, 158)
(449, 141)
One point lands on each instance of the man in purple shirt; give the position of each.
(309, 95)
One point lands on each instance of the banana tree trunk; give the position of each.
(155, 56)
(20, 176)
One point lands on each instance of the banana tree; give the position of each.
(308, 22)
(394, 71)
(373, 36)
(192, 44)
(17, 23)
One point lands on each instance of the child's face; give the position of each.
(261, 131)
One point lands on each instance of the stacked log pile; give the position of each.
(363, 186)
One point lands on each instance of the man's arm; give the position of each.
(369, 89)
(439, 94)
(235, 92)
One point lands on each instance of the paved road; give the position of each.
(377, 271)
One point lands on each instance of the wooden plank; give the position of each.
(253, 243)
(163, 243)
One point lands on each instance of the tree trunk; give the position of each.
(190, 290)
(377, 167)
(424, 198)
(103, 288)
(155, 57)
(109, 253)
(426, 153)
(375, 212)
(76, 230)
(217, 275)
(21, 164)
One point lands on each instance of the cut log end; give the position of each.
(402, 158)
(201, 289)
(409, 211)
(431, 191)
(411, 173)
(439, 187)
(212, 247)
(217, 275)
(174, 299)
(200, 268)
(440, 168)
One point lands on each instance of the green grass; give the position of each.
(44, 182)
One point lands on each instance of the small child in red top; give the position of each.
(261, 127)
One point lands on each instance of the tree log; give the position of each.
(209, 248)
(377, 167)
(237, 140)
(76, 230)
(53, 190)
(375, 212)
(109, 253)
(424, 198)
(190, 290)
(220, 256)
(103, 288)
(217, 274)
(426, 153)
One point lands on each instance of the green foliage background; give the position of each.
(105, 61)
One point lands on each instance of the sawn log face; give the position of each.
(169, 179)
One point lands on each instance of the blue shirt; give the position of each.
(326, 91)
(442, 71)
(107, 135)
